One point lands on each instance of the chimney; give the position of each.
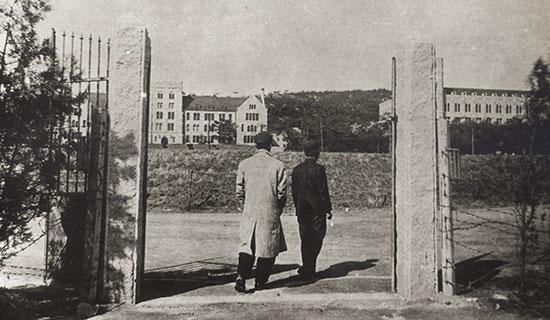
(263, 94)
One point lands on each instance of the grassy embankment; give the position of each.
(194, 180)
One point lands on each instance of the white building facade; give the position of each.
(495, 105)
(247, 114)
(165, 113)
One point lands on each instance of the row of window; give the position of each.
(252, 116)
(196, 127)
(158, 138)
(170, 127)
(488, 108)
(199, 139)
(170, 105)
(252, 106)
(208, 116)
(250, 128)
(463, 93)
(171, 115)
(248, 139)
(171, 95)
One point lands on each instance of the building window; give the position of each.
(209, 116)
(159, 95)
(467, 107)
(158, 126)
(448, 107)
(187, 127)
(205, 127)
(84, 123)
(159, 114)
(252, 117)
(170, 127)
(221, 116)
(242, 127)
(230, 117)
(159, 105)
(171, 96)
(186, 138)
(171, 105)
(488, 108)
(498, 108)
(196, 116)
(188, 116)
(457, 107)
(171, 115)
(252, 106)
(518, 109)
(173, 139)
(498, 121)
(478, 107)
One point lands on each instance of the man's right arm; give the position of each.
(240, 185)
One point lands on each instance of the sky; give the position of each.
(221, 47)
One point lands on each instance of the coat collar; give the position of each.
(258, 151)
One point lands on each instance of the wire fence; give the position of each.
(495, 232)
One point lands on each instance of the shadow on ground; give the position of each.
(338, 270)
(177, 279)
(474, 272)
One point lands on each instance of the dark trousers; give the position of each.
(312, 232)
(263, 267)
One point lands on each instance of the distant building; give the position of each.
(495, 105)
(166, 114)
(248, 114)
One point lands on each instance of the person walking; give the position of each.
(261, 190)
(313, 207)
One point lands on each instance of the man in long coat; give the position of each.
(313, 207)
(261, 189)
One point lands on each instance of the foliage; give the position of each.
(190, 180)
(345, 121)
(226, 131)
(512, 137)
(33, 100)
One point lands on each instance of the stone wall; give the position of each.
(129, 86)
(416, 191)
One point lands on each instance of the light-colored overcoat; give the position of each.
(261, 188)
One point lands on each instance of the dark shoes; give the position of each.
(307, 275)
(240, 285)
(260, 286)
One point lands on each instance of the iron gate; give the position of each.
(82, 137)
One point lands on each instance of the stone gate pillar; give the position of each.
(416, 172)
(129, 84)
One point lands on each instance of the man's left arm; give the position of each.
(325, 197)
(281, 188)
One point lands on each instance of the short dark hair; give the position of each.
(312, 148)
(263, 140)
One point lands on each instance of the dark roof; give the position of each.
(488, 92)
(212, 103)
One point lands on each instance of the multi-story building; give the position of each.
(495, 105)
(166, 114)
(248, 114)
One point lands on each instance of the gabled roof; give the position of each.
(212, 103)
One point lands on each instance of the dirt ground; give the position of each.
(191, 262)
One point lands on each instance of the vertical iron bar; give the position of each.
(72, 142)
(393, 169)
(80, 111)
(88, 98)
(67, 139)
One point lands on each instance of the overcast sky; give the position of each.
(226, 46)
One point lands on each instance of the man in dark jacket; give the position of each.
(313, 207)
